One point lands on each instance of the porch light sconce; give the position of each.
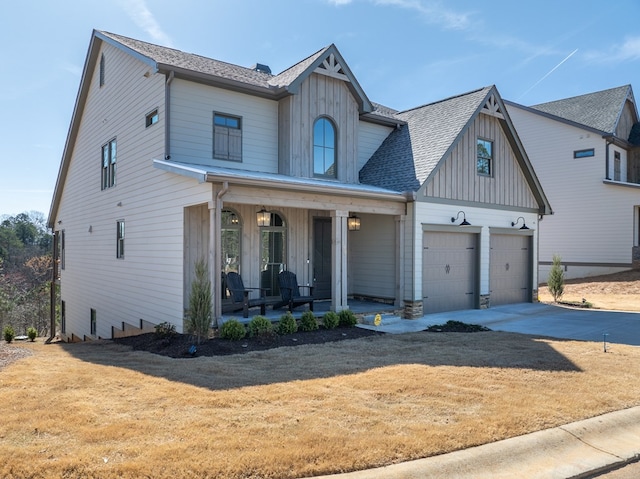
(264, 218)
(353, 223)
(464, 219)
(524, 225)
(233, 219)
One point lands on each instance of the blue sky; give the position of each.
(404, 53)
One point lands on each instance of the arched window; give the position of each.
(324, 148)
(230, 241)
(273, 253)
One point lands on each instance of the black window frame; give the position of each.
(108, 164)
(320, 145)
(587, 153)
(227, 137)
(484, 164)
(120, 236)
(151, 118)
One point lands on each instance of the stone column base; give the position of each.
(485, 301)
(413, 310)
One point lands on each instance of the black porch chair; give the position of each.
(290, 292)
(239, 296)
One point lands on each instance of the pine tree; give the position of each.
(555, 282)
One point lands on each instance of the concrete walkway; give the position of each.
(535, 318)
(574, 450)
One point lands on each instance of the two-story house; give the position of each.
(172, 157)
(586, 151)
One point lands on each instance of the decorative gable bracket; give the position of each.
(492, 108)
(332, 68)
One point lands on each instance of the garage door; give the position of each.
(510, 270)
(449, 271)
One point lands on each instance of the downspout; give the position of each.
(215, 229)
(608, 140)
(167, 109)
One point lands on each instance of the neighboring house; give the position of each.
(586, 152)
(172, 157)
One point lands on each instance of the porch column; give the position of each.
(215, 257)
(339, 260)
(400, 267)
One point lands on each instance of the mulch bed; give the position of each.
(179, 345)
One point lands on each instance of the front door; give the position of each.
(322, 258)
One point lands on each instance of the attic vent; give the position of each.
(259, 67)
(492, 107)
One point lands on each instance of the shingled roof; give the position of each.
(409, 154)
(600, 110)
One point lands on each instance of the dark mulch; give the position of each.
(456, 327)
(179, 345)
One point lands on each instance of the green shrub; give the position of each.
(165, 330)
(260, 327)
(32, 333)
(233, 330)
(347, 318)
(9, 334)
(200, 309)
(287, 324)
(308, 321)
(555, 283)
(330, 320)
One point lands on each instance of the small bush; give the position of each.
(330, 320)
(9, 333)
(347, 318)
(233, 330)
(32, 333)
(555, 282)
(260, 326)
(165, 330)
(308, 321)
(287, 324)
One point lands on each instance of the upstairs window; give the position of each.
(583, 153)
(616, 166)
(227, 137)
(120, 239)
(485, 157)
(324, 148)
(102, 70)
(151, 118)
(109, 164)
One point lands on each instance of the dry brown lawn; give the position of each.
(101, 410)
(620, 291)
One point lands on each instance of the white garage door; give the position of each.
(449, 271)
(510, 270)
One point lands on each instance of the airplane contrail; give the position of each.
(549, 73)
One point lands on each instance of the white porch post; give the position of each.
(400, 266)
(215, 261)
(339, 260)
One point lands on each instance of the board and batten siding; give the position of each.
(318, 96)
(147, 283)
(370, 137)
(626, 121)
(192, 109)
(592, 222)
(457, 178)
(372, 257)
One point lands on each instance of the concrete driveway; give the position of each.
(537, 319)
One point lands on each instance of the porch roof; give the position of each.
(212, 174)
